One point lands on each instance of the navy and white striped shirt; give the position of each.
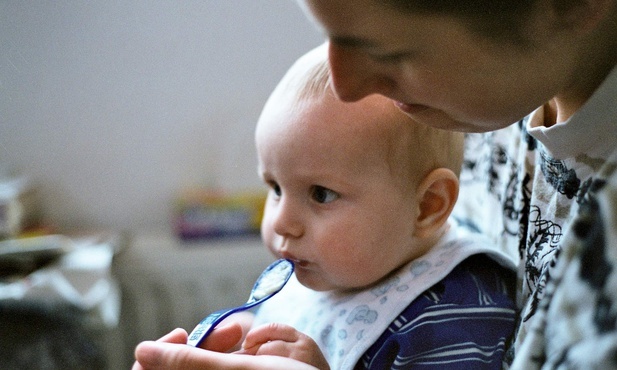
(463, 322)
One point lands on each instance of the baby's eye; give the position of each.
(275, 188)
(323, 195)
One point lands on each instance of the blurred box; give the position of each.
(207, 213)
(19, 206)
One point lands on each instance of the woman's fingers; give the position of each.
(170, 352)
(171, 356)
(150, 355)
(270, 332)
(223, 338)
(178, 336)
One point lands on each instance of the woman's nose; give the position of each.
(354, 75)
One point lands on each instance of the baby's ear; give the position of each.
(436, 194)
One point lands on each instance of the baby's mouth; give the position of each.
(300, 263)
(283, 252)
(297, 262)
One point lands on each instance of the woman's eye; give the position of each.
(388, 58)
(393, 57)
(323, 195)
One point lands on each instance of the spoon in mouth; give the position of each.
(270, 282)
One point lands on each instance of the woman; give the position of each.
(479, 66)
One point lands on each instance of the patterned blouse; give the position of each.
(548, 196)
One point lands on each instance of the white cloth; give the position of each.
(81, 277)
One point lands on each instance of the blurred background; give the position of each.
(112, 107)
(109, 111)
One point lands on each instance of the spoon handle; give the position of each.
(205, 326)
(208, 324)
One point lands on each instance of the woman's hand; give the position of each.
(283, 341)
(171, 353)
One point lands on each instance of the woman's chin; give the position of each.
(438, 119)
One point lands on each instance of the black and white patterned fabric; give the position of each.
(548, 196)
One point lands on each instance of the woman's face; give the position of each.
(434, 68)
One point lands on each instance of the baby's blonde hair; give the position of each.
(308, 77)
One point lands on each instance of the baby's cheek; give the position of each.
(270, 239)
(266, 229)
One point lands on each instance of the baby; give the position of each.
(360, 198)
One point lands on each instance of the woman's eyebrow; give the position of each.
(352, 41)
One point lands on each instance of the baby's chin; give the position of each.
(313, 280)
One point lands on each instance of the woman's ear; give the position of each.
(436, 194)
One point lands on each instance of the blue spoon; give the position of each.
(270, 282)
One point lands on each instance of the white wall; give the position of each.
(113, 106)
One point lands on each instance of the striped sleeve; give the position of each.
(463, 322)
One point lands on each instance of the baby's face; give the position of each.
(334, 206)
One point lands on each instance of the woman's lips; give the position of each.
(410, 108)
